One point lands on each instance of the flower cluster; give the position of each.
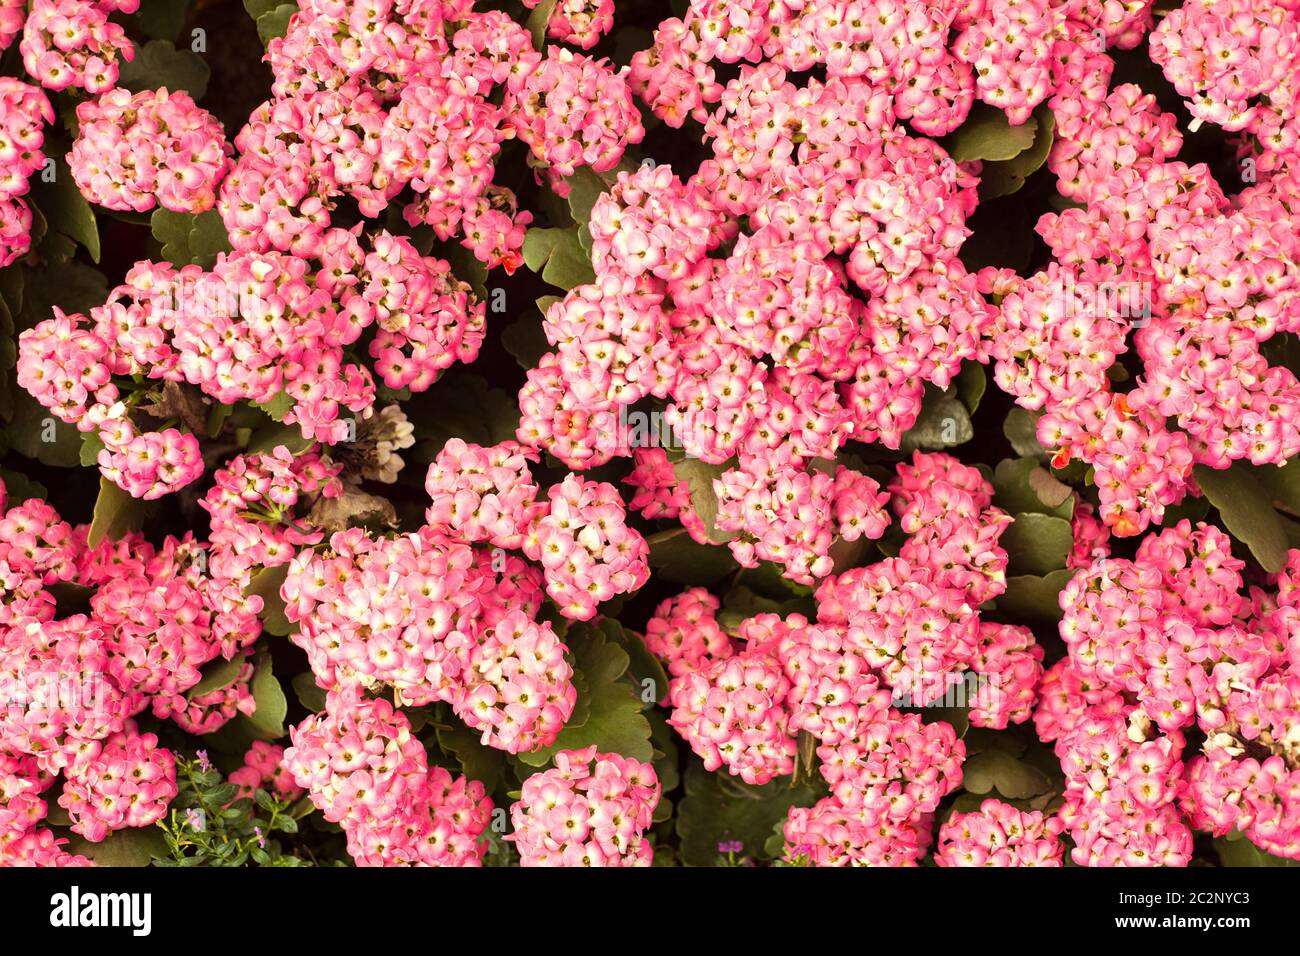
(997, 834)
(592, 809)
(363, 768)
(776, 342)
(263, 769)
(73, 43)
(128, 784)
(519, 688)
(153, 148)
(24, 111)
(585, 547)
(482, 494)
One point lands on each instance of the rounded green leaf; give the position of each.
(987, 134)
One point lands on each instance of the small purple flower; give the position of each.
(195, 819)
(731, 846)
(204, 763)
(261, 840)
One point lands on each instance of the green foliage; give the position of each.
(1021, 429)
(698, 476)
(678, 558)
(1024, 485)
(461, 405)
(271, 16)
(266, 584)
(308, 692)
(161, 19)
(1033, 598)
(1007, 176)
(187, 238)
(1037, 543)
(988, 135)
(207, 826)
(944, 422)
(477, 760)
(718, 808)
(1002, 764)
(159, 65)
(557, 254)
(1236, 850)
(267, 721)
(1246, 508)
(74, 287)
(132, 847)
(116, 513)
(29, 427)
(525, 338)
(65, 210)
(217, 675)
(18, 487)
(536, 23)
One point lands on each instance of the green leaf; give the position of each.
(1034, 598)
(91, 446)
(1037, 543)
(187, 238)
(1021, 429)
(665, 741)
(1193, 509)
(768, 580)
(465, 266)
(32, 423)
(20, 488)
(477, 760)
(525, 338)
(133, 847)
(642, 665)
(719, 808)
(971, 383)
(267, 721)
(266, 584)
(461, 405)
(158, 64)
(988, 135)
(258, 8)
(65, 209)
(944, 422)
(276, 23)
(995, 769)
(217, 675)
(277, 407)
(742, 603)
(1247, 511)
(1051, 491)
(1282, 483)
(308, 692)
(536, 22)
(585, 187)
(558, 255)
(275, 434)
(615, 723)
(679, 559)
(74, 287)
(116, 513)
(698, 477)
(1024, 485)
(1236, 850)
(161, 19)
(1006, 177)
